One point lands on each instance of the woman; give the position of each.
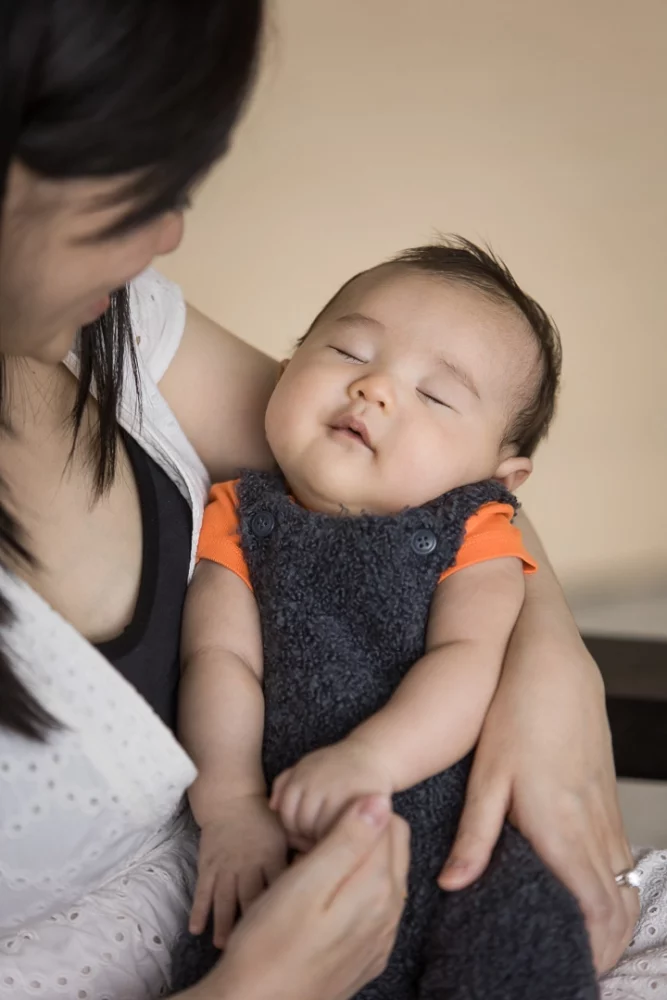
(109, 114)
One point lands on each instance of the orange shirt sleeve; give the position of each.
(490, 534)
(219, 539)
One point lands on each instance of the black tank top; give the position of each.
(147, 652)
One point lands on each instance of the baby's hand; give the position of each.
(311, 795)
(242, 850)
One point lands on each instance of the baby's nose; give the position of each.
(374, 389)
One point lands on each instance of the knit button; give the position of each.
(262, 524)
(424, 542)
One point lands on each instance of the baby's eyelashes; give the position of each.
(433, 399)
(346, 354)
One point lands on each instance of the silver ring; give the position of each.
(629, 877)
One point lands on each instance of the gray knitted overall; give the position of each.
(344, 604)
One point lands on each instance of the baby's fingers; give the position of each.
(298, 843)
(289, 808)
(225, 908)
(278, 789)
(306, 820)
(201, 904)
(250, 886)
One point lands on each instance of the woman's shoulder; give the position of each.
(158, 313)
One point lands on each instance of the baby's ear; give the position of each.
(513, 472)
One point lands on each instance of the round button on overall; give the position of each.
(262, 523)
(424, 542)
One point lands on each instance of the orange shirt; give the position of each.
(489, 534)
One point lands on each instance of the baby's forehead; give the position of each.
(427, 311)
(393, 292)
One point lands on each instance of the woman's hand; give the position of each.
(327, 925)
(544, 759)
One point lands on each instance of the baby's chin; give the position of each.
(350, 503)
(320, 497)
(335, 489)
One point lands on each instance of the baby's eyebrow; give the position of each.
(461, 375)
(360, 319)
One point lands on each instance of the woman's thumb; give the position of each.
(372, 810)
(478, 832)
(352, 838)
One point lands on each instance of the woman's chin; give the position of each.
(94, 311)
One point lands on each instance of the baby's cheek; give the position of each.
(421, 470)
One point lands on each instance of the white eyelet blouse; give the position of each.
(96, 858)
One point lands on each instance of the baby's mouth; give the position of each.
(353, 428)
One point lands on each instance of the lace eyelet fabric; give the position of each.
(116, 941)
(97, 858)
(642, 972)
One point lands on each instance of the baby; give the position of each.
(348, 619)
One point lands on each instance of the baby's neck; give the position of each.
(333, 506)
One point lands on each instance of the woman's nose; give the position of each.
(375, 389)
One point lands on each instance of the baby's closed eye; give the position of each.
(346, 354)
(429, 397)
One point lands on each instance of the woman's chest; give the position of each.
(88, 550)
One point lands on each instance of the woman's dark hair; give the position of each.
(98, 88)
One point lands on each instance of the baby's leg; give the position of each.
(516, 934)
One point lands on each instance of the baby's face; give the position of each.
(401, 392)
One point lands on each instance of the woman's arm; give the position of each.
(545, 759)
(218, 387)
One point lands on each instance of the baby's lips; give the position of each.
(355, 425)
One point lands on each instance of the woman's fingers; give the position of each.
(619, 858)
(400, 854)
(585, 868)
(334, 860)
(611, 935)
(327, 926)
(375, 886)
(599, 840)
(484, 813)
(579, 870)
(580, 837)
(577, 837)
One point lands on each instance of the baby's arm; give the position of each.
(436, 714)
(221, 721)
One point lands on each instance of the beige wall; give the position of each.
(540, 127)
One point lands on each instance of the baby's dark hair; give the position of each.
(460, 260)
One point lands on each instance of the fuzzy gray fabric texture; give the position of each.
(344, 604)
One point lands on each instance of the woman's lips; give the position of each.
(97, 309)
